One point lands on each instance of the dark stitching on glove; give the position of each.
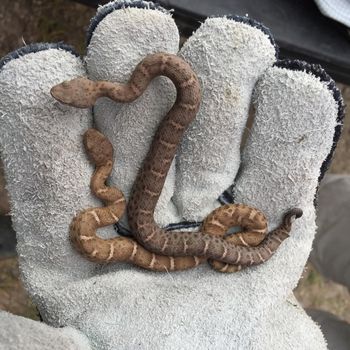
(258, 25)
(36, 47)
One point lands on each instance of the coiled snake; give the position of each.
(207, 243)
(84, 225)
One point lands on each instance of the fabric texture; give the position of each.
(19, 333)
(122, 307)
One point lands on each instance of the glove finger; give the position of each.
(46, 169)
(121, 35)
(228, 54)
(297, 123)
(19, 333)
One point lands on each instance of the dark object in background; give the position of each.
(7, 238)
(336, 331)
(298, 26)
(4, 200)
(330, 253)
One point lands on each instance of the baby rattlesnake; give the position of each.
(83, 93)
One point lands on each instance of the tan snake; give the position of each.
(84, 225)
(83, 93)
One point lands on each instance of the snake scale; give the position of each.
(83, 93)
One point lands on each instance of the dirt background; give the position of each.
(28, 21)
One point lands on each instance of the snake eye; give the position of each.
(65, 84)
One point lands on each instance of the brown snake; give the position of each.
(84, 225)
(83, 93)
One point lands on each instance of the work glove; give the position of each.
(298, 112)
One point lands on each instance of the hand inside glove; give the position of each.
(116, 306)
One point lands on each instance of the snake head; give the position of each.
(79, 92)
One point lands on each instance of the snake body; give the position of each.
(83, 93)
(83, 229)
(84, 225)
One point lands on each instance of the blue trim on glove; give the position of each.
(258, 25)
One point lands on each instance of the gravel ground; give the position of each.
(27, 21)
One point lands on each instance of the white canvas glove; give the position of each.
(297, 122)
